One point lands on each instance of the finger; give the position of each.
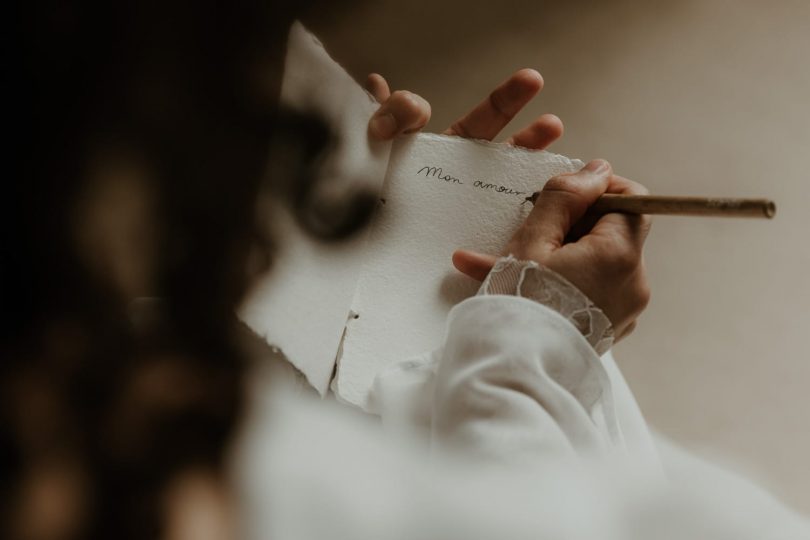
(490, 116)
(377, 86)
(539, 134)
(402, 112)
(475, 265)
(634, 227)
(564, 200)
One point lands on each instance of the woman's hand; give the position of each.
(601, 255)
(405, 112)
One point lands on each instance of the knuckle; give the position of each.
(498, 105)
(638, 228)
(637, 292)
(565, 182)
(460, 129)
(645, 222)
(643, 295)
(645, 226)
(408, 104)
(527, 244)
(623, 259)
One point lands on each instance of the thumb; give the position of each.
(564, 200)
(475, 265)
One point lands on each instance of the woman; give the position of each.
(143, 139)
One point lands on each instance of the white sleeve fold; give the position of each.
(517, 381)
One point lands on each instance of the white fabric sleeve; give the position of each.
(515, 384)
(516, 381)
(513, 378)
(532, 280)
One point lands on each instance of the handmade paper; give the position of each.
(440, 194)
(384, 295)
(302, 304)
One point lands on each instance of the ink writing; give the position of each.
(437, 172)
(497, 188)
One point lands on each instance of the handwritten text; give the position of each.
(429, 171)
(437, 172)
(497, 188)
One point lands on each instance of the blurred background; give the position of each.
(690, 97)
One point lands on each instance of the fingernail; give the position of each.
(597, 166)
(383, 126)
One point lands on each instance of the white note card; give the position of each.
(441, 193)
(437, 194)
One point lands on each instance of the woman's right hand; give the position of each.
(603, 259)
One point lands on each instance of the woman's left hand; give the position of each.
(403, 112)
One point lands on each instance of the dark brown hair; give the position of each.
(120, 363)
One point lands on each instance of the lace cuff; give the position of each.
(531, 280)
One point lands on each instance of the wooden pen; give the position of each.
(681, 206)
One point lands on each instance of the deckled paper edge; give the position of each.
(320, 376)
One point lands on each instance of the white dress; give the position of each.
(514, 428)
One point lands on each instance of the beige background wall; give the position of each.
(700, 97)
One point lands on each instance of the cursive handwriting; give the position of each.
(497, 188)
(436, 172)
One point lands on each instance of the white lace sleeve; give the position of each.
(531, 280)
